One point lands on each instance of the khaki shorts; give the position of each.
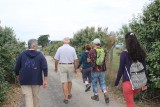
(66, 72)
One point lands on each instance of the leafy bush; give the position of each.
(147, 28)
(3, 89)
(51, 48)
(9, 49)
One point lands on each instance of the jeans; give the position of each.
(31, 95)
(98, 77)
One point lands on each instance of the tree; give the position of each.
(43, 40)
(121, 33)
(52, 48)
(86, 36)
(147, 27)
(125, 29)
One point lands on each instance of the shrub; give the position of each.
(10, 47)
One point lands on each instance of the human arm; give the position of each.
(75, 60)
(45, 82)
(18, 66)
(75, 65)
(80, 61)
(56, 65)
(92, 56)
(45, 71)
(121, 68)
(57, 57)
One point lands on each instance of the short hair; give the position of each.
(32, 43)
(66, 40)
(88, 47)
(98, 44)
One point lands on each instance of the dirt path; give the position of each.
(53, 96)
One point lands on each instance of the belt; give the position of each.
(65, 63)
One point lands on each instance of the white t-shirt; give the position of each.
(65, 54)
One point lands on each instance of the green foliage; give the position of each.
(3, 89)
(51, 48)
(125, 29)
(86, 36)
(43, 40)
(122, 31)
(147, 27)
(83, 37)
(153, 60)
(120, 39)
(9, 49)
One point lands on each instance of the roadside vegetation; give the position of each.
(10, 47)
(145, 25)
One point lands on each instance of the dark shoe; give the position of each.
(88, 86)
(95, 97)
(106, 97)
(69, 96)
(65, 101)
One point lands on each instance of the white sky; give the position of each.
(62, 18)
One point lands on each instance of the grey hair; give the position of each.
(32, 43)
(66, 40)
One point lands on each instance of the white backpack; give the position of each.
(137, 75)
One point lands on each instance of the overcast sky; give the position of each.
(62, 18)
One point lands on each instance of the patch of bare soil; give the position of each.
(13, 97)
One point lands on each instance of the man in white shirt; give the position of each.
(67, 60)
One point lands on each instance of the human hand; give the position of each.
(75, 71)
(80, 69)
(44, 84)
(116, 87)
(144, 88)
(17, 78)
(88, 60)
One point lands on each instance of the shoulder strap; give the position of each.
(129, 77)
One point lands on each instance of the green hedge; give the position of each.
(10, 47)
(147, 27)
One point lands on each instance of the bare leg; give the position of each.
(69, 87)
(65, 90)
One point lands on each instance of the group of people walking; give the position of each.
(32, 71)
(66, 58)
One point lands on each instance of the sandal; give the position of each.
(65, 101)
(69, 96)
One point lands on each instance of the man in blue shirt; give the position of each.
(30, 69)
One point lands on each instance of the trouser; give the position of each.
(86, 74)
(98, 77)
(31, 95)
(129, 93)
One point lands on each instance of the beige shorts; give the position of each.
(66, 72)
